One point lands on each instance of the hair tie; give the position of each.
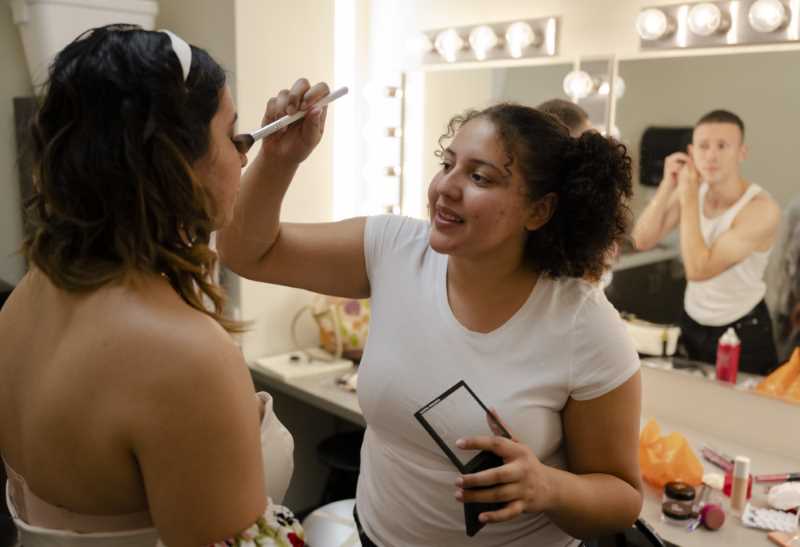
(183, 52)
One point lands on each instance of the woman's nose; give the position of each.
(448, 185)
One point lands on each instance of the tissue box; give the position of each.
(652, 338)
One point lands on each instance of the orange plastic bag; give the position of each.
(785, 381)
(669, 458)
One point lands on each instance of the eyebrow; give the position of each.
(478, 161)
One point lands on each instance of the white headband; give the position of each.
(182, 51)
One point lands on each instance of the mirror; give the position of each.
(762, 88)
(665, 91)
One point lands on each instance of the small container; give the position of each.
(676, 513)
(727, 486)
(741, 476)
(679, 492)
(728, 350)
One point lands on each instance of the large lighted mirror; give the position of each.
(667, 93)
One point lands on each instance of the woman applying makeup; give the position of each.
(498, 288)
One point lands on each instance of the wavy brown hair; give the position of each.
(113, 143)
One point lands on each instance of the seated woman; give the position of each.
(127, 413)
(498, 289)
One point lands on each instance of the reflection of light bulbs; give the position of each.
(578, 85)
(653, 24)
(619, 87)
(519, 35)
(448, 43)
(767, 15)
(615, 133)
(705, 19)
(482, 39)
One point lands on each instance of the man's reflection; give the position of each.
(727, 228)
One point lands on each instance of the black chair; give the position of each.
(341, 453)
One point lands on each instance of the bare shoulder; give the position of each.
(762, 212)
(164, 348)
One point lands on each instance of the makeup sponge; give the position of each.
(712, 516)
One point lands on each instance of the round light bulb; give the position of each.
(767, 15)
(519, 35)
(419, 44)
(652, 24)
(619, 87)
(448, 43)
(578, 85)
(705, 19)
(482, 39)
(374, 171)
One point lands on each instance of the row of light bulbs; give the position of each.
(706, 19)
(482, 40)
(579, 85)
(382, 133)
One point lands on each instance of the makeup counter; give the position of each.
(731, 419)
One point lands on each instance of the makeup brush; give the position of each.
(245, 141)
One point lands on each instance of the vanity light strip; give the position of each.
(684, 25)
(454, 44)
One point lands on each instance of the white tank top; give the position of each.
(732, 294)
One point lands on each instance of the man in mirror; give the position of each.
(727, 227)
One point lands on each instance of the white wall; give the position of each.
(276, 43)
(13, 83)
(260, 45)
(208, 24)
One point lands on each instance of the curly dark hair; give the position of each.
(590, 175)
(113, 143)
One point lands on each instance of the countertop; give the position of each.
(323, 392)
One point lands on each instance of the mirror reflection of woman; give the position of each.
(127, 412)
(499, 288)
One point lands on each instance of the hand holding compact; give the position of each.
(522, 482)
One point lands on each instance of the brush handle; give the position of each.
(277, 125)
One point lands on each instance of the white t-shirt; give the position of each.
(565, 341)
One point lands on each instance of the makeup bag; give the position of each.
(343, 325)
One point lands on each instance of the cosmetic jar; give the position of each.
(676, 513)
(679, 492)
